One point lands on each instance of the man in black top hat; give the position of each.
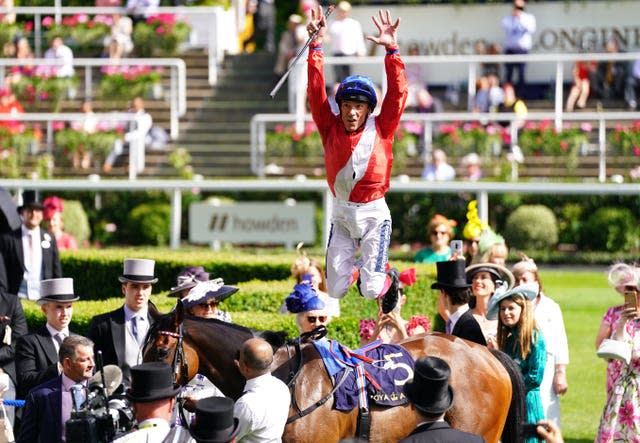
(152, 394)
(37, 352)
(431, 397)
(120, 334)
(453, 286)
(30, 253)
(214, 421)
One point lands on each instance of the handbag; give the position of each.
(6, 430)
(614, 349)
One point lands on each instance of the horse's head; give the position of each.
(166, 342)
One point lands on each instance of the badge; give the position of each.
(45, 244)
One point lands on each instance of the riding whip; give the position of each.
(284, 77)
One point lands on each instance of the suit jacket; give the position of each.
(13, 254)
(11, 307)
(467, 327)
(42, 415)
(36, 360)
(440, 432)
(108, 334)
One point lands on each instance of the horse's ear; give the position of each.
(179, 314)
(153, 311)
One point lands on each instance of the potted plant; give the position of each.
(125, 82)
(159, 35)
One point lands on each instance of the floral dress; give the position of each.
(532, 368)
(621, 415)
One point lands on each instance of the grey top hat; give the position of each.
(429, 391)
(138, 270)
(57, 290)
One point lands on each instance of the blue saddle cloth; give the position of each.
(387, 367)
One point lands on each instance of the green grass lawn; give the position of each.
(584, 298)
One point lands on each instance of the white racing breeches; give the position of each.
(353, 225)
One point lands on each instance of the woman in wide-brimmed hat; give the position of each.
(484, 279)
(203, 299)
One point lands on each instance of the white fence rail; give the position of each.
(259, 129)
(176, 187)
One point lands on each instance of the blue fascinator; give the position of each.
(303, 298)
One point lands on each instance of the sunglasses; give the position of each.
(209, 305)
(439, 232)
(320, 318)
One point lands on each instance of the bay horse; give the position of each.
(482, 383)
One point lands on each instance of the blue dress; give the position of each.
(532, 368)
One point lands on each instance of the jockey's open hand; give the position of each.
(318, 23)
(388, 30)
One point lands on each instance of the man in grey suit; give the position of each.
(37, 353)
(30, 253)
(120, 334)
(431, 397)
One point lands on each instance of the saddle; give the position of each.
(375, 373)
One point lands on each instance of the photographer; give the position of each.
(49, 405)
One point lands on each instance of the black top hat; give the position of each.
(429, 391)
(30, 200)
(451, 275)
(188, 278)
(152, 381)
(214, 421)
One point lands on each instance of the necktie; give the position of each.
(32, 255)
(58, 338)
(77, 394)
(448, 326)
(136, 326)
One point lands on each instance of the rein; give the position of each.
(316, 334)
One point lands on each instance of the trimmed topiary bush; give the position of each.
(609, 229)
(531, 227)
(76, 221)
(148, 224)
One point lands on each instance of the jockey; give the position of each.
(358, 158)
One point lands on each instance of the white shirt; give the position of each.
(346, 37)
(142, 321)
(53, 331)
(143, 122)
(262, 410)
(456, 315)
(519, 31)
(148, 7)
(65, 54)
(153, 430)
(549, 318)
(32, 257)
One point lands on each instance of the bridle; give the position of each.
(179, 363)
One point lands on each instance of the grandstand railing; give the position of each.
(178, 78)
(213, 26)
(176, 187)
(259, 129)
(136, 147)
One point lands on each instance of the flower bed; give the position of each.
(127, 82)
(85, 35)
(97, 144)
(625, 139)
(14, 146)
(43, 87)
(159, 35)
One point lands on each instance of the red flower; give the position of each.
(636, 151)
(564, 145)
(28, 26)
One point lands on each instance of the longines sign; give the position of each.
(252, 222)
(561, 27)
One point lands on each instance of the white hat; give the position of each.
(138, 270)
(206, 290)
(57, 290)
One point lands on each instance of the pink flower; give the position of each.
(586, 126)
(160, 30)
(82, 18)
(57, 125)
(626, 416)
(564, 145)
(636, 151)
(47, 21)
(467, 127)
(28, 26)
(491, 130)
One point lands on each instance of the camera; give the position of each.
(103, 415)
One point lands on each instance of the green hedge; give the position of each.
(257, 305)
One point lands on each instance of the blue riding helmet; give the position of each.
(357, 88)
